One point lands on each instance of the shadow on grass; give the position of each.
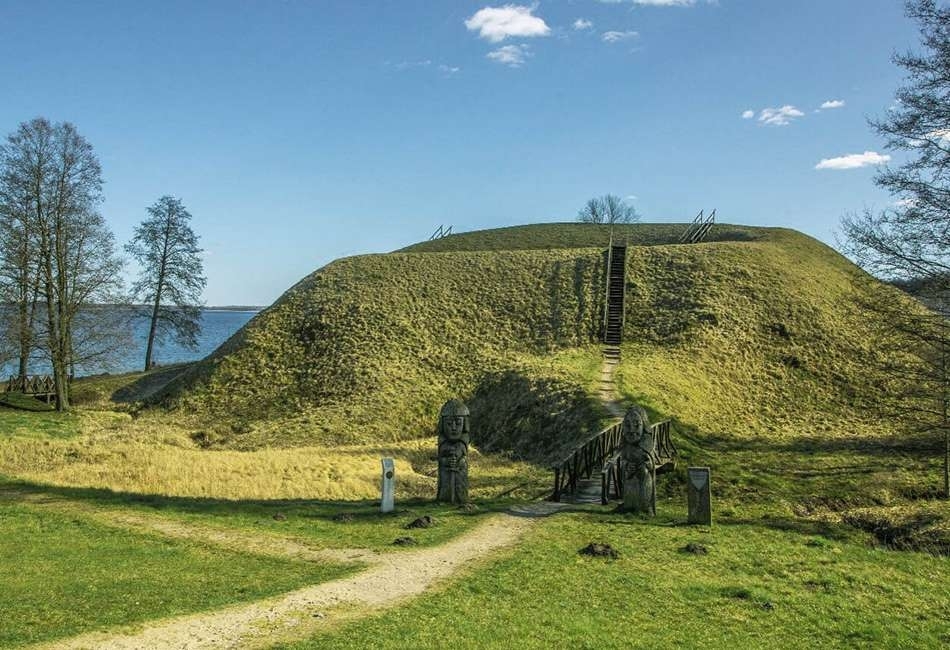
(338, 511)
(876, 446)
(799, 526)
(539, 420)
(148, 384)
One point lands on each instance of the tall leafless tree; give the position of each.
(910, 242)
(51, 187)
(172, 276)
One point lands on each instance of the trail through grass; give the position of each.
(64, 574)
(760, 585)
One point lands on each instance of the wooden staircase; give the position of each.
(613, 313)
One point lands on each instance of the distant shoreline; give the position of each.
(252, 308)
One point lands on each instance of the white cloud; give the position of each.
(631, 197)
(510, 55)
(495, 24)
(853, 161)
(405, 65)
(448, 69)
(832, 103)
(779, 116)
(748, 115)
(582, 23)
(614, 37)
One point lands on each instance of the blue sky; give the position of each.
(299, 132)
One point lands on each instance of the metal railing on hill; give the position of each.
(441, 232)
(697, 230)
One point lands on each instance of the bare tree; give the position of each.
(909, 243)
(172, 276)
(607, 209)
(52, 176)
(19, 268)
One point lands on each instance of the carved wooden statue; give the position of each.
(639, 456)
(453, 452)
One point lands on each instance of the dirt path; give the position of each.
(391, 579)
(233, 540)
(608, 387)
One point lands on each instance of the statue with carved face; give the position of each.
(639, 456)
(453, 452)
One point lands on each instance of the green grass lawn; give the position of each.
(37, 424)
(23, 402)
(318, 524)
(760, 585)
(64, 575)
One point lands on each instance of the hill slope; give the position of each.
(738, 337)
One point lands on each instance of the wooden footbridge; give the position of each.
(595, 470)
(39, 386)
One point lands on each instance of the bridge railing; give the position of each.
(585, 460)
(31, 385)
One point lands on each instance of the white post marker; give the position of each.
(389, 482)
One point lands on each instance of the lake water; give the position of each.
(216, 327)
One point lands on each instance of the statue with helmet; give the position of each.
(453, 451)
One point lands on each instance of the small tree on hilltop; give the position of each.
(607, 209)
(172, 276)
(910, 242)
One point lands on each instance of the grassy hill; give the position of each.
(752, 333)
(753, 343)
(367, 348)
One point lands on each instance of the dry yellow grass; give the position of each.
(117, 453)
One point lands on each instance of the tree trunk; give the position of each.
(25, 342)
(946, 462)
(946, 424)
(153, 326)
(159, 289)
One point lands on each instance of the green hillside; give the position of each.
(749, 337)
(369, 347)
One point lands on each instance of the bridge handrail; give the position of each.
(585, 457)
(31, 385)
